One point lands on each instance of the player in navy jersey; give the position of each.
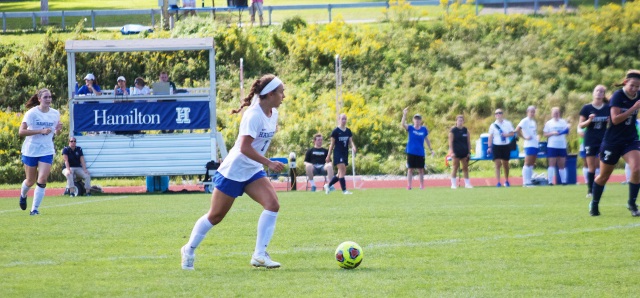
(621, 140)
(341, 138)
(459, 146)
(418, 135)
(594, 118)
(243, 171)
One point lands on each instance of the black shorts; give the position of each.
(611, 153)
(318, 169)
(501, 152)
(592, 150)
(340, 158)
(461, 153)
(415, 161)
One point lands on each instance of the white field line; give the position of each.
(324, 249)
(68, 204)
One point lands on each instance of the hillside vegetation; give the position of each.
(459, 64)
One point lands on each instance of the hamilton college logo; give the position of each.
(183, 115)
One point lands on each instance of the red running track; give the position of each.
(360, 183)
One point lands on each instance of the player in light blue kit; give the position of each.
(243, 171)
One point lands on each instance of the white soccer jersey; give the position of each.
(560, 141)
(40, 144)
(529, 129)
(238, 167)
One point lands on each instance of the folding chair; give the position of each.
(275, 176)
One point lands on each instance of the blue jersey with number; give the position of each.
(415, 144)
(596, 129)
(625, 131)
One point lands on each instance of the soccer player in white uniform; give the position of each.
(243, 171)
(38, 126)
(528, 130)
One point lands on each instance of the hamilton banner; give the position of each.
(135, 116)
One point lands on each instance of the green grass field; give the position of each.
(483, 242)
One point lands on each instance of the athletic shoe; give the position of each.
(506, 184)
(453, 186)
(264, 261)
(332, 188)
(593, 209)
(468, 186)
(34, 212)
(66, 192)
(23, 203)
(589, 196)
(326, 189)
(313, 188)
(527, 185)
(498, 185)
(634, 210)
(187, 259)
(75, 192)
(346, 192)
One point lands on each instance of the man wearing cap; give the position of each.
(418, 135)
(90, 86)
(74, 165)
(121, 87)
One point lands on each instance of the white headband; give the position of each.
(271, 86)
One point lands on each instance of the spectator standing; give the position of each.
(74, 165)
(315, 161)
(90, 86)
(341, 138)
(500, 133)
(594, 118)
(459, 150)
(189, 4)
(621, 140)
(121, 87)
(556, 131)
(243, 171)
(528, 130)
(256, 6)
(418, 135)
(39, 125)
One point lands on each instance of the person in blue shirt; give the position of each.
(341, 138)
(418, 135)
(621, 140)
(594, 118)
(121, 87)
(90, 87)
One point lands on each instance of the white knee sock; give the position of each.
(585, 171)
(38, 194)
(563, 175)
(525, 178)
(200, 229)
(266, 227)
(467, 181)
(453, 182)
(24, 189)
(551, 174)
(627, 172)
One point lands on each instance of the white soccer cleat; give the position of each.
(326, 189)
(264, 261)
(346, 192)
(468, 186)
(453, 186)
(187, 259)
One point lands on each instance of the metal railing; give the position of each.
(175, 11)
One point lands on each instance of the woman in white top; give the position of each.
(140, 87)
(528, 130)
(556, 131)
(243, 171)
(39, 125)
(500, 133)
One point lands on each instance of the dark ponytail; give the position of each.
(35, 99)
(256, 88)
